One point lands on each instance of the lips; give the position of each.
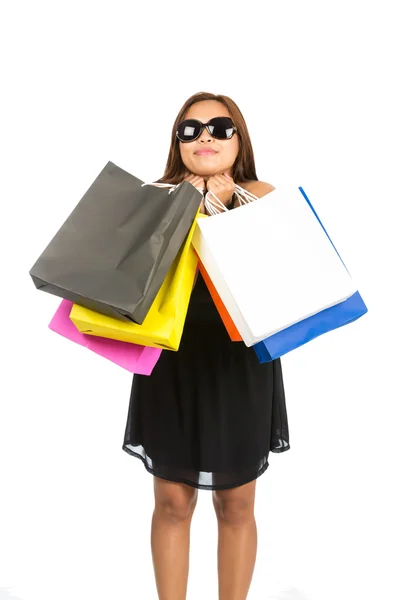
(205, 152)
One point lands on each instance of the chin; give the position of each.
(212, 170)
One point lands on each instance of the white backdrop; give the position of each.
(87, 82)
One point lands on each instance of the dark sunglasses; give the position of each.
(221, 128)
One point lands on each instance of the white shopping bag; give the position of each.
(272, 264)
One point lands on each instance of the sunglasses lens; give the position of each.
(221, 128)
(188, 130)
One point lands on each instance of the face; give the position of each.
(225, 151)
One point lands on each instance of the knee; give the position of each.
(235, 511)
(174, 509)
(176, 505)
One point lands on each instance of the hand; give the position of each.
(196, 180)
(223, 186)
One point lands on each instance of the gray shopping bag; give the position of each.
(114, 250)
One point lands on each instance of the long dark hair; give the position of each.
(243, 169)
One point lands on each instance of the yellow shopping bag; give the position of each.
(163, 325)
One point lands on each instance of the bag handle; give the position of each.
(244, 196)
(212, 202)
(162, 185)
(168, 185)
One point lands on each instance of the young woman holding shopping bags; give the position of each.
(210, 413)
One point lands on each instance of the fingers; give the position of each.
(223, 187)
(223, 177)
(221, 180)
(195, 180)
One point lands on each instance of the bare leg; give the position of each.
(237, 540)
(170, 537)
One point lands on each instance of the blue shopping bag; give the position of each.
(308, 329)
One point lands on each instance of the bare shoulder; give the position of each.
(258, 188)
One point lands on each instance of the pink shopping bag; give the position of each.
(132, 357)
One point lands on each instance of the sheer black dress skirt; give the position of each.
(210, 413)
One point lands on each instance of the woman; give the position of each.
(210, 413)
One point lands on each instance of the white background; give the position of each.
(87, 82)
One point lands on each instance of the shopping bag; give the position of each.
(223, 313)
(163, 325)
(300, 333)
(132, 357)
(116, 247)
(274, 266)
(214, 206)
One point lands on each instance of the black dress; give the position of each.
(210, 413)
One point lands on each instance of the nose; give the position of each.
(205, 136)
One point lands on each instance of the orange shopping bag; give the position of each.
(223, 313)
